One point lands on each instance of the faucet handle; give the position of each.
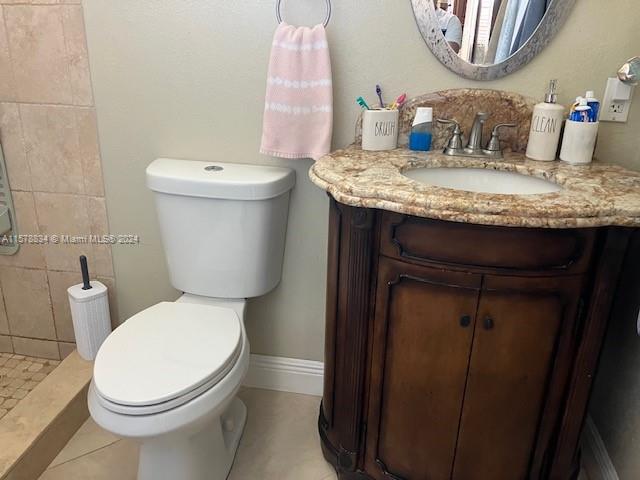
(494, 144)
(447, 121)
(455, 142)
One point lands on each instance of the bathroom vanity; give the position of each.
(463, 329)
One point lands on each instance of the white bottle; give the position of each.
(546, 125)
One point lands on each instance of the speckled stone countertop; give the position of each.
(593, 195)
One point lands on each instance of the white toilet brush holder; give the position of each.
(89, 304)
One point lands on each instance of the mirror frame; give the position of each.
(553, 19)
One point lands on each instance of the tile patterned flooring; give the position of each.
(280, 442)
(19, 375)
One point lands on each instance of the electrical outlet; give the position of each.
(616, 107)
(616, 102)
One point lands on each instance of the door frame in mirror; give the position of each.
(427, 21)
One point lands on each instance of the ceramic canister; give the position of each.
(579, 142)
(380, 129)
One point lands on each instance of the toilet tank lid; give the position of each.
(231, 181)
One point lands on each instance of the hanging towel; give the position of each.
(507, 32)
(532, 18)
(298, 112)
(522, 10)
(490, 57)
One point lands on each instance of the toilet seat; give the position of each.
(165, 356)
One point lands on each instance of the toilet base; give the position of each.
(205, 455)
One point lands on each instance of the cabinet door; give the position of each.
(424, 323)
(516, 345)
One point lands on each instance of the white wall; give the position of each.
(186, 78)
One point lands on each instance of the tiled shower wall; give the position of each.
(49, 137)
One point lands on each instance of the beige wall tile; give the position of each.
(6, 346)
(26, 296)
(53, 148)
(97, 211)
(36, 348)
(50, 149)
(30, 254)
(41, 2)
(90, 151)
(7, 91)
(77, 55)
(63, 214)
(29, 2)
(58, 284)
(13, 147)
(66, 349)
(38, 53)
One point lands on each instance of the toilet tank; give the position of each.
(223, 225)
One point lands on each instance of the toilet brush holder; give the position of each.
(89, 304)
(90, 315)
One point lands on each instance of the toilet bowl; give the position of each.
(183, 413)
(168, 376)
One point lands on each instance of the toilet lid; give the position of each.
(165, 352)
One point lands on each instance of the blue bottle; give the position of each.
(594, 103)
(422, 130)
(582, 112)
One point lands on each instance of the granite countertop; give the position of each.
(593, 195)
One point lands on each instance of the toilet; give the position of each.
(168, 376)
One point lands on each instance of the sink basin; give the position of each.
(483, 181)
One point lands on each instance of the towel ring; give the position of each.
(326, 20)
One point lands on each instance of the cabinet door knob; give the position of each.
(465, 321)
(488, 323)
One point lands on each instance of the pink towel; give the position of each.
(298, 112)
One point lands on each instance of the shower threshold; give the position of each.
(44, 402)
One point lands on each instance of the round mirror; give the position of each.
(488, 39)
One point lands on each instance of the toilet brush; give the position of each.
(89, 312)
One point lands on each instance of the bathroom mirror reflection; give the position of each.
(488, 39)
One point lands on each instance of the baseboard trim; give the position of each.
(285, 374)
(596, 460)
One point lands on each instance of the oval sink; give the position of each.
(483, 181)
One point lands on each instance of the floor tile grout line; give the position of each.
(83, 455)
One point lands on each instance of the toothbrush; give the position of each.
(360, 101)
(399, 102)
(379, 93)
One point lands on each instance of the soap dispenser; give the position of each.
(546, 125)
(422, 130)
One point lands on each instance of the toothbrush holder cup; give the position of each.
(579, 142)
(380, 129)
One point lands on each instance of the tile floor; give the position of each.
(280, 442)
(18, 376)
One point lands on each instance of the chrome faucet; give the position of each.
(474, 146)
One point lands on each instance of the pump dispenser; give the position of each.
(546, 125)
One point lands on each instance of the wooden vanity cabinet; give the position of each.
(453, 354)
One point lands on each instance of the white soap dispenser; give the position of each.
(546, 125)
